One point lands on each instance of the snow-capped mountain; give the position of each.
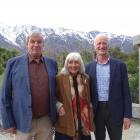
(58, 39)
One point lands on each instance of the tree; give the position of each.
(116, 52)
(5, 55)
(132, 65)
(86, 56)
(61, 59)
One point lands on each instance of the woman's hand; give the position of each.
(86, 132)
(61, 111)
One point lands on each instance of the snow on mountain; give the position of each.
(59, 38)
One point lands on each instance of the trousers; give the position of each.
(41, 129)
(103, 122)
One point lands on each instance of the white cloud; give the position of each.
(116, 16)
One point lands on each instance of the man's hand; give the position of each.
(11, 130)
(126, 123)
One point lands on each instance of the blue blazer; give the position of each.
(120, 104)
(16, 104)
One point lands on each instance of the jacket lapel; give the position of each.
(47, 63)
(26, 70)
(48, 70)
(67, 87)
(93, 71)
(112, 72)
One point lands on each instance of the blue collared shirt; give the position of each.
(103, 78)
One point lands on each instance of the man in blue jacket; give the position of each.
(28, 93)
(110, 92)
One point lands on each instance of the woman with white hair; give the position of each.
(75, 112)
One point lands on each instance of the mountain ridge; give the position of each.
(59, 39)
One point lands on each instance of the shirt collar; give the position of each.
(103, 63)
(31, 59)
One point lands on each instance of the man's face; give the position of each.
(35, 45)
(101, 46)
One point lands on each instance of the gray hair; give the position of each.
(35, 34)
(101, 35)
(73, 56)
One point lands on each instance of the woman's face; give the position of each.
(73, 67)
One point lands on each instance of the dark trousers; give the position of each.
(59, 136)
(103, 121)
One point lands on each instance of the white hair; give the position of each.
(38, 34)
(101, 35)
(73, 56)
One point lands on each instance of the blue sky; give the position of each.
(115, 16)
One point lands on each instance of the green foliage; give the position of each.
(5, 55)
(86, 56)
(1, 69)
(133, 82)
(61, 59)
(1, 78)
(116, 52)
(132, 63)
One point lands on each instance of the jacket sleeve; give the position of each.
(6, 99)
(126, 93)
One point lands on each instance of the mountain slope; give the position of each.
(59, 39)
